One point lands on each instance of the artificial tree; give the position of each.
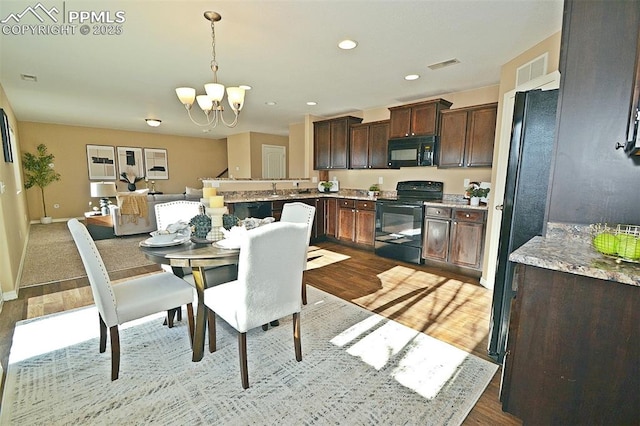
(38, 171)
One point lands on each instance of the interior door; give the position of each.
(274, 160)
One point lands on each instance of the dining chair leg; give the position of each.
(179, 313)
(296, 336)
(242, 350)
(103, 335)
(304, 293)
(192, 325)
(265, 327)
(211, 320)
(170, 314)
(115, 352)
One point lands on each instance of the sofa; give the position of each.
(131, 224)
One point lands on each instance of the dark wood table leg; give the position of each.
(201, 314)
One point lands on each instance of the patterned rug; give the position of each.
(52, 255)
(358, 368)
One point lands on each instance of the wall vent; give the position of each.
(532, 70)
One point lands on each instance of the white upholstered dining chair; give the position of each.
(270, 268)
(129, 300)
(300, 213)
(183, 210)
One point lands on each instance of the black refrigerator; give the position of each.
(523, 211)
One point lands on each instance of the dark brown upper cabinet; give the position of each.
(467, 136)
(417, 119)
(369, 145)
(331, 142)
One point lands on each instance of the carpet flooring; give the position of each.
(358, 368)
(52, 256)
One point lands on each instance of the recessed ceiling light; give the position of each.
(153, 122)
(311, 103)
(29, 77)
(347, 44)
(411, 77)
(270, 103)
(245, 87)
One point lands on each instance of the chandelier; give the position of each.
(211, 103)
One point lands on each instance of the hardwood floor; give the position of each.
(447, 306)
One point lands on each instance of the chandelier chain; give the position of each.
(214, 63)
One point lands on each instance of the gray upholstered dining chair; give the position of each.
(300, 213)
(270, 268)
(129, 300)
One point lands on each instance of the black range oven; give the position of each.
(399, 220)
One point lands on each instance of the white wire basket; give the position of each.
(621, 242)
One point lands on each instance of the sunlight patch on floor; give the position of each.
(420, 362)
(321, 257)
(62, 330)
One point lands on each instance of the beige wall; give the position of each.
(297, 151)
(238, 161)
(14, 222)
(189, 159)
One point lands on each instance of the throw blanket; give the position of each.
(134, 206)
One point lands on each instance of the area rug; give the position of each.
(358, 368)
(52, 256)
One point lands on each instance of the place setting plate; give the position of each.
(180, 239)
(227, 244)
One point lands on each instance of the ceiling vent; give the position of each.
(444, 64)
(532, 70)
(28, 77)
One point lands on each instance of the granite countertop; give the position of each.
(464, 204)
(573, 253)
(252, 197)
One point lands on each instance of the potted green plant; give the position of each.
(474, 192)
(374, 190)
(327, 185)
(38, 171)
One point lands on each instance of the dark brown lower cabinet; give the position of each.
(573, 350)
(331, 217)
(356, 221)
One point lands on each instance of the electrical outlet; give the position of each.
(314, 179)
(380, 180)
(295, 184)
(56, 206)
(466, 183)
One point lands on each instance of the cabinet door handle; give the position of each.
(467, 215)
(460, 164)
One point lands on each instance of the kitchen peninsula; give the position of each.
(574, 342)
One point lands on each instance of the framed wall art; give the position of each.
(130, 161)
(101, 161)
(6, 137)
(156, 164)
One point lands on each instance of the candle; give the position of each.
(209, 192)
(217, 201)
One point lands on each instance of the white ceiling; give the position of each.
(285, 50)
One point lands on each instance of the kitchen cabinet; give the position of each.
(467, 237)
(437, 222)
(331, 217)
(369, 145)
(454, 236)
(467, 136)
(417, 119)
(331, 142)
(572, 350)
(356, 221)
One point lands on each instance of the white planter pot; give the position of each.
(474, 201)
(46, 220)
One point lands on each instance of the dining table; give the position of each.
(198, 257)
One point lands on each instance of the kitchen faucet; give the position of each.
(273, 184)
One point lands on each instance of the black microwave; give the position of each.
(412, 151)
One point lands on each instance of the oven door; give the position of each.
(399, 230)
